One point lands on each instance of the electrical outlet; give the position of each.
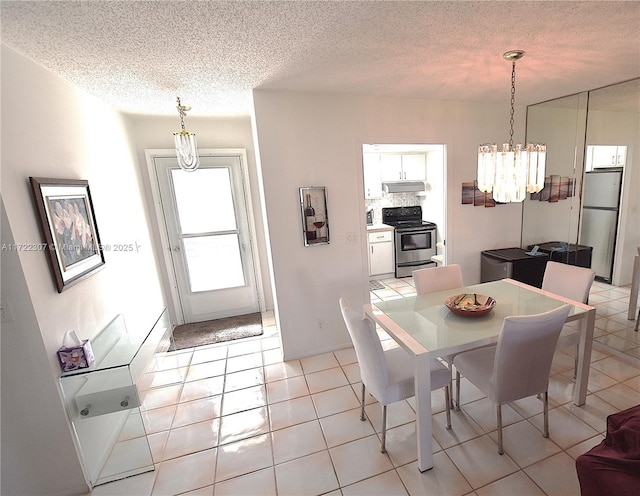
(352, 237)
(320, 323)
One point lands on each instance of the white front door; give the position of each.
(209, 240)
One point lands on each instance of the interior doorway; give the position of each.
(208, 241)
(405, 175)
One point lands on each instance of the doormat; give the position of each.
(375, 285)
(217, 331)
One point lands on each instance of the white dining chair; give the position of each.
(389, 375)
(572, 282)
(518, 366)
(439, 278)
(434, 279)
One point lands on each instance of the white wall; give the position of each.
(311, 139)
(34, 425)
(223, 132)
(52, 129)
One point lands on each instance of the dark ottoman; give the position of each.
(613, 467)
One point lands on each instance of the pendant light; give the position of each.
(186, 149)
(510, 172)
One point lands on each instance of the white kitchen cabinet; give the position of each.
(606, 156)
(372, 176)
(414, 167)
(403, 167)
(391, 165)
(381, 253)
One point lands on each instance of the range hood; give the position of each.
(403, 187)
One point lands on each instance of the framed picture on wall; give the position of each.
(69, 228)
(315, 219)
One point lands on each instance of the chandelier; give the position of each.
(510, 172)
(186, 149)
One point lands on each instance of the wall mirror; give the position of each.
(559, 123)
(590, 135)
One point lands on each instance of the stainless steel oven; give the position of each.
(415, 239)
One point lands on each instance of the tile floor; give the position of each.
(613, 329)
(234, 419)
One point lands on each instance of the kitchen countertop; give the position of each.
(379, 227)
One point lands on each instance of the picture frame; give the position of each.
(68, 223)
(314, 215)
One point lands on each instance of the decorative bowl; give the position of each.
(470, 304)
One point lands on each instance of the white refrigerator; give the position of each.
(600, 207)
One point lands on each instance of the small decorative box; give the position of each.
(77, 356)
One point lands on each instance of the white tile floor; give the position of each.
(234, 419)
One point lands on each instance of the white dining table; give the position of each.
(427, 329)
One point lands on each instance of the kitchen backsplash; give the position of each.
(391, 200)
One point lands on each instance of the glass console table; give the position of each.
(103, 402)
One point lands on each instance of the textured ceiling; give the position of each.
(138, 55)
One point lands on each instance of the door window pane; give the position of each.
(213, 262)
(204, 200)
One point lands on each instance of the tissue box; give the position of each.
(76, 357)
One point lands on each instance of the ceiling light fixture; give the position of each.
(186, 149)
(511, 172)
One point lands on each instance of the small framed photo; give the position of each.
(69, 228)
(315, 219)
